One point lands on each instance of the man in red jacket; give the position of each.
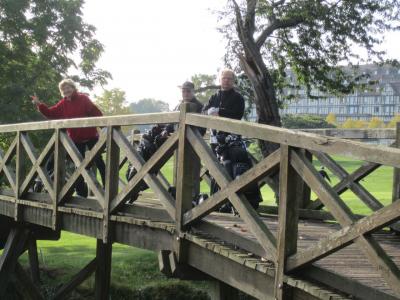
(75, 105)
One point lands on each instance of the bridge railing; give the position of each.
(297, 175)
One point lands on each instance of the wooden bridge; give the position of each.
(297, 250)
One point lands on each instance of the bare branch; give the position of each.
(250, 17)
(206, 88)
(239, 21)
(277, 3)
(277, 24)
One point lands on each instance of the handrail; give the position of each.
(121, 120)
(330, 145)
(356, 133)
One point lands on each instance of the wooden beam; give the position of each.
(303, 188)
(260, 285)
(223, 291)
(31, 151)
(31, 289)
(157, 160)
(317, 274)
(81, 163)
(205, 176)
(13, 248)
(289, 199)
(163, 180)
(112, 180)
(19, 170)
(152, 181)
(345, 284)
(133, 119)
(163, 262)
(64, 291)
(34, 261)
(246, 211)
(36, 164)
(309, 214)
(357, 150)
(345, 236)
(4, 160)
(188, 163)
(350, 181)
(396, 178)
(266, 166)
(356, 134)
(103, 270)
(59, 176)
(373, 251)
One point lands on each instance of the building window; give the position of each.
(376, 109)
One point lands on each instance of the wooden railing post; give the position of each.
(287, 220)
(19, 170)
(111, 179)
(396, 171)
(104, 245)
(187, 162)
(303, 188)
(59, 175)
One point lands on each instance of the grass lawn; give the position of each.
(135, 269)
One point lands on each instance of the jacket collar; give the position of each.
(74, 96)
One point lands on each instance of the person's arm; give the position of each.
(235, 110)
(91, 109)
(52, 112)
(208, 105)
(211, 108)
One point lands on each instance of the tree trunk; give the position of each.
(265, 98)
(267, 111)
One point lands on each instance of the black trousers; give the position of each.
(80, 186)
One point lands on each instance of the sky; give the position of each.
(153, 46)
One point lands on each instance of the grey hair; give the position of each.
(67, 81)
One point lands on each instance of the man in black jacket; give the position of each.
(226, 102)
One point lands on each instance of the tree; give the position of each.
(393, 121)
(39, 45)
(331, 119)
(309, 38)
(349, 123)
(149, 105)
(205, 86)
(375, 122)
(113, 102)
(305, 121)
(361, 124)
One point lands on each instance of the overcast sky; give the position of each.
(153, 46)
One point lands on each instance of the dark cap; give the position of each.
(187, 85)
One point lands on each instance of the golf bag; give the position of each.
(148, 145)
(232, 154)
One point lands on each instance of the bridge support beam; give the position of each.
(14, 247)
(34, 261)
(103, 270)
(222, 291)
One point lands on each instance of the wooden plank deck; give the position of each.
(349, 262)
